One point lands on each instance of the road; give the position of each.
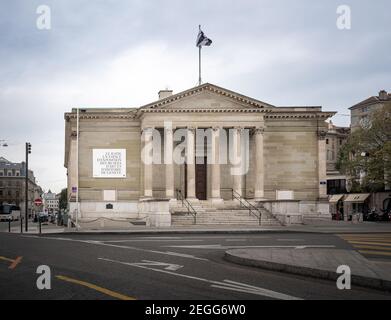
(180, 266)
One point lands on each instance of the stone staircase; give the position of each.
(230, 214)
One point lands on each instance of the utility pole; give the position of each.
(26, 203)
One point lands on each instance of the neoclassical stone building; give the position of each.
(205, 145)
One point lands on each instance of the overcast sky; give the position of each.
(116, 53)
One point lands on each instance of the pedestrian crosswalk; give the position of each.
(371, 244)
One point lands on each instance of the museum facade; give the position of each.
(206, 146)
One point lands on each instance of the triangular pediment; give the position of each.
(207, 97)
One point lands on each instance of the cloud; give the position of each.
(120, 53)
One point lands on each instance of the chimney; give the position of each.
(164, 93)
(383, 95)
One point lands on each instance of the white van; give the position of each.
(9, 212)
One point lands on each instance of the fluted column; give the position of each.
(168, 160)
(322, 174)
(236, 160)
(147, 135)
(259, 164)
(190, 161)
(215, 164)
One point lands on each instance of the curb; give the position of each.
(368, 282)
(140, 232)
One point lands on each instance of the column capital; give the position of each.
(239, 129)
(258, 130)
(169, 129)
(146, 129)
(191, 128)
(322, 134)
(216, 128)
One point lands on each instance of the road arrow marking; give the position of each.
(167, 266)
(246, 288)
(226, 284)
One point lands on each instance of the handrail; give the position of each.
(187, 204)
(251, 208)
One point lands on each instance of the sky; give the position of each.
(120, 53)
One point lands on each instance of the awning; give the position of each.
(357, 198)
(335, 198)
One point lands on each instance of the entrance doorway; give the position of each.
(201, 180)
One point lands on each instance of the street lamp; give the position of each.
(3, 143)
(26, 206)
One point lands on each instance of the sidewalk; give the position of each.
(317, 263)
(330, 227)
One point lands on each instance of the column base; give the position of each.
(216, 202)
(173, 202)
(193, 200)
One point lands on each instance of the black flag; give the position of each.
(202, 40)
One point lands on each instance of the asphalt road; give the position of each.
(180, 266)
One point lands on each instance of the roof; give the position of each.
(335, 198)
(357, 197)
(213, 88)
(6, 164)
(371, 100)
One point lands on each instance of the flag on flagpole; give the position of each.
(202, 40)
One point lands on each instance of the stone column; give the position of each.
(147, 135)
(215, 165)
(72, 172)
(236, 160)
(168, 161)
(322, 175)
(190, 161)
(259, 164)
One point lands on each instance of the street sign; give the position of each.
(38, 202)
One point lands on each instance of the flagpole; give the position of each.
(199, 59)
(199, 66)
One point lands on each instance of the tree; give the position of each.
(366, 156)
(64, 199)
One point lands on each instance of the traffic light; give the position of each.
(29, 148)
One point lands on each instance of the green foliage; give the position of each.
(368, 151)
(64, 199)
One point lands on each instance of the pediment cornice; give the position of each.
(207, 87)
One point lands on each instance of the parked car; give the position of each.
(42, 216)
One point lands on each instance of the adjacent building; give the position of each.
(335, 138)
(50, 202)
(207, 145)
(12, 185)
(360, 112)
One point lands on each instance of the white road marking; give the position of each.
(95, 242)
(167, 266)
(220, 247)
(227, 284)
(149, 240)
(290, 240)
(233, 240)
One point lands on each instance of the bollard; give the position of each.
(40, 230)
(9, 225)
